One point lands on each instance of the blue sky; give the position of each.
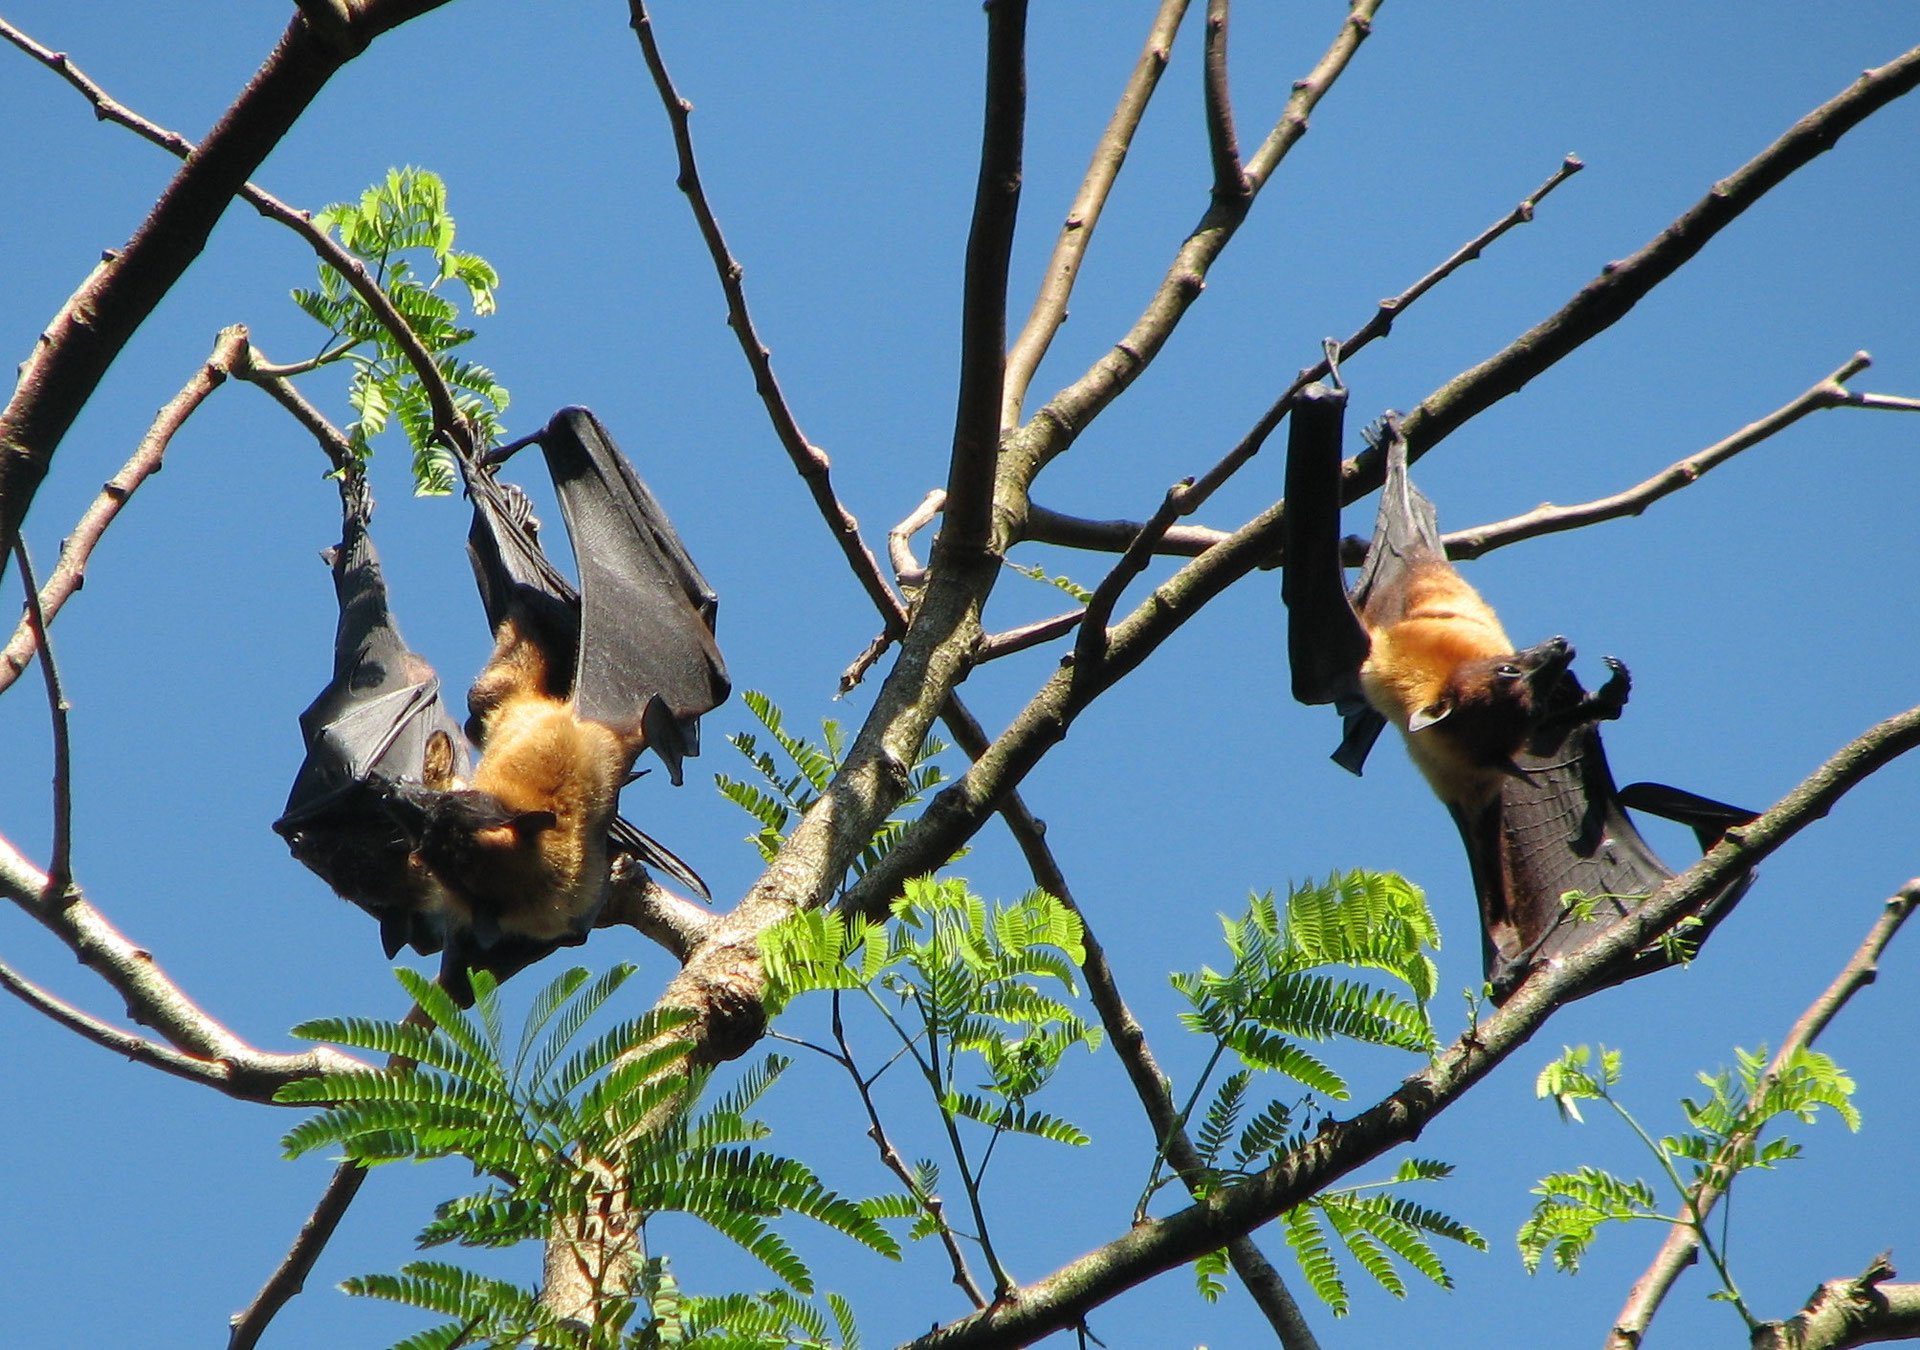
(1767, 613)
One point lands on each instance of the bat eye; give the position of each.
(1506, 670)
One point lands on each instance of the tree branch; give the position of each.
(228, 1063)
(996, 645)
(1378, 326)
(1621, 285)
(69, 571)
(1061, 1299)
(1091, 646)
(89, 330)
(290, 1277)
(1229, 181)
(810, 460)
(1053, 429)
(60, 872)
(1549, 519)
(1129, 1041)
(1682, 1243)
(1843, 1313)
(967, 521)
(1076, 234)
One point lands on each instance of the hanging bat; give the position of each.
(379, 721)
(1506, 738)
(579, 683)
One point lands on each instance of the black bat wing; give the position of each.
(1326, 641)
(373, 725)
(647, 658)
(1563, 829)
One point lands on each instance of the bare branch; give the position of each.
(906, 567)
(1046, 526)
(1051, 527)
(996, 645)
(1862, 1310)
(1063, 268)
(1055, 427)
(1091, 646)
(69, 571)
(635, 899)
(1379, 326)
(1061, 1299)
(967, 520)
(229, 1063)
(1150, 1084)
(1549, 519)
(60, 873)
(1620, 286)
(136, 1048)
(1229, 181)
(809, 459)
(1682, 1244)
(66, 365)
(439, 397)
(290, 1277)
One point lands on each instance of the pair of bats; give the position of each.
(498, 863)
(1507, 739)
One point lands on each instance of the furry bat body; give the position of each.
(1506, 738)
(502, 866)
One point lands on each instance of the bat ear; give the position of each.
(436, 770)
(1422, 718)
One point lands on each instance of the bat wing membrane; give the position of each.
(647, 658)
(369, 728)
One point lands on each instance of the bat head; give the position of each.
(1490, 706)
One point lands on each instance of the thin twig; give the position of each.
(446, 418)
(996, 645)
(1229, 180)
(1608, 298)
(290, 1276)
(1047, 526)
(60, 871)
(136, 1048)
(967, 519)
(891, 1159)
(69, 570)
(907, 569)
(1112, 536)
(810, 460)
(1378, 326)
(1091, 646)
(1052, 430)
(1678, 1251)
(1063, 268)
(1547, 519)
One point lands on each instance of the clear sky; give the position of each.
(1767, 614)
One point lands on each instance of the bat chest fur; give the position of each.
(1441, 628)
(539, 757)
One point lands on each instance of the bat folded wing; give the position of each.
(647, 657)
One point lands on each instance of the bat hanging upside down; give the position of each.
(503, 867)
(1506, 738)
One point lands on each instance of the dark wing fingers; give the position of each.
(656, 856)
(1709, 819)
